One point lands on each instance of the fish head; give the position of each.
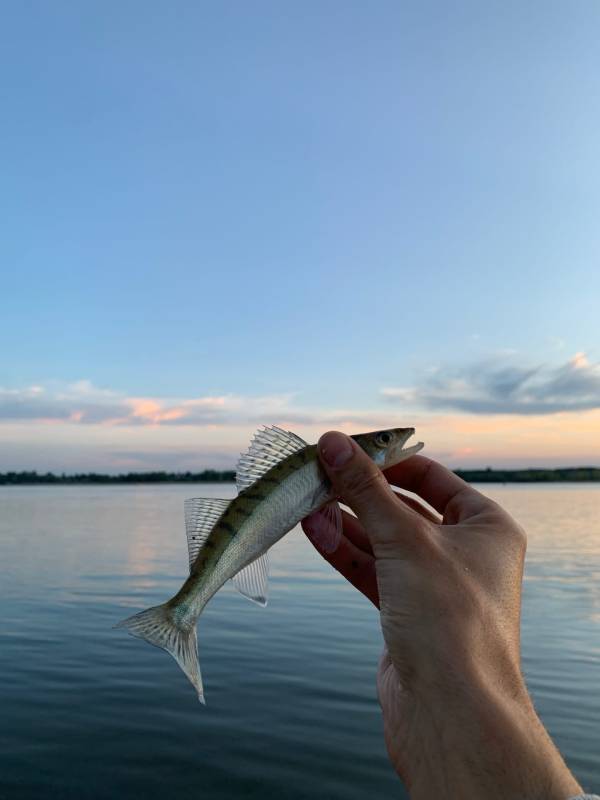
(386, 448)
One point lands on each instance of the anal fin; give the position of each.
(253, 580)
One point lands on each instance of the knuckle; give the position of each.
(518, 536)
(513, 531)
(460, 503)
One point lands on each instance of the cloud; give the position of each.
(497, 386)
(499, 412)
(81, 404)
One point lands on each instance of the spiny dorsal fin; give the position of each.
(201, 515)
(267, 448)
(253, 580)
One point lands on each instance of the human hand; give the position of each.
(458, 720)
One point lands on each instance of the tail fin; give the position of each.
(157, 626)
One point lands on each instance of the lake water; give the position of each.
(87, 712)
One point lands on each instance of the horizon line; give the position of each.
(481, 475)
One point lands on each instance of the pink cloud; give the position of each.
(153, 412)
(100, 426)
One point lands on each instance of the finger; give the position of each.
(438, 486)
(390, 524)
(354, 531)
(419, 508)
(353, 563)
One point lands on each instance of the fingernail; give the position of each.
(336, 449)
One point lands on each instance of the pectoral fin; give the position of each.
(326, 527)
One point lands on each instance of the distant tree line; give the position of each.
(32, 477)
(488, 475)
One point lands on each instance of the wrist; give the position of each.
(485, 744)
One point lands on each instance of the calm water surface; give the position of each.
(89, 712)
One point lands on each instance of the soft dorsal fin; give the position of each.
(267, 448)
(253, 580)
(201, 515)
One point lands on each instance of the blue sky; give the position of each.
(315, 213)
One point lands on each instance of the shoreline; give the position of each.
(488, 475)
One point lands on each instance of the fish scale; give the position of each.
(281, 482)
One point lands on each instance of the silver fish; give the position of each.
(280, 482)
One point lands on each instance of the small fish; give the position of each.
(280, 482)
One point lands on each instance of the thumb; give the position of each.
(360, 484)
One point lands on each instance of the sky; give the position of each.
(217, 215)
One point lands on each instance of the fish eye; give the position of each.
(383, 438)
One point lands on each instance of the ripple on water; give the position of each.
(88, 712)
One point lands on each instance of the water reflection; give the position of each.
(89, 711)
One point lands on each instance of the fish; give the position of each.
(279, 481)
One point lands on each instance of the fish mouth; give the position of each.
(403, 452)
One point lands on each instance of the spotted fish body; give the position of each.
(254, 521)
(280, 482)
